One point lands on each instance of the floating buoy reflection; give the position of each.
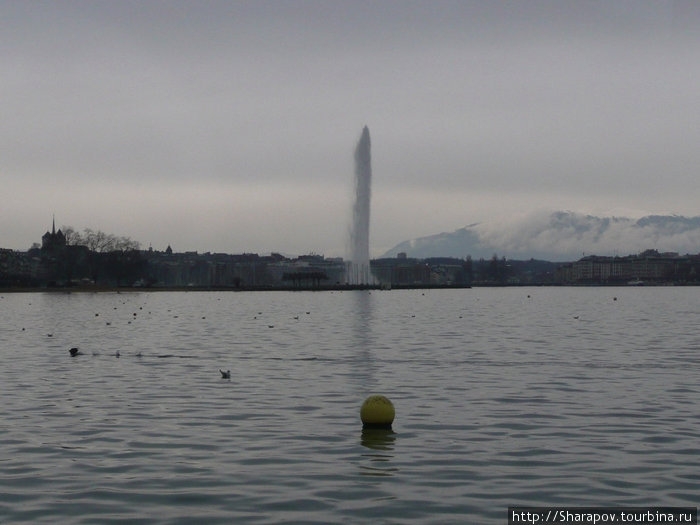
(378, 438)
(381, 442)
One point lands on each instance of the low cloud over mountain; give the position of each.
(561, 236)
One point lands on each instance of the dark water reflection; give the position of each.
(378, 439)
(503, 397)
(378, 460)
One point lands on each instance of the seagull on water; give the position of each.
(225, 375)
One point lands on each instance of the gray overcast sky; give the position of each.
(230, 126)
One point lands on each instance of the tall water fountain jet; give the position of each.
(358, 271)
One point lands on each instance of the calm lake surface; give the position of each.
(513, 396)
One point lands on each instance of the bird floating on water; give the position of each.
(74, 351)
(225, 375)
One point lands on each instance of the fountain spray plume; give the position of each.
(358, 269)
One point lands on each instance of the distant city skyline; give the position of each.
(557, 237)
(230, 126)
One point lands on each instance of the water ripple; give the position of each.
(513, 403)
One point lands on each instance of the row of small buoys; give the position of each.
(75, 351)
(377, 411)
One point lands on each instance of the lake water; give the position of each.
(503, 396)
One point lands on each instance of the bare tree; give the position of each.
(73, 238)
(98, 241)
(125, 244)
(109, 253)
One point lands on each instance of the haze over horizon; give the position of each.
(230, 126)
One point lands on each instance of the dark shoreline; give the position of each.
(118, 289)
(331, 288)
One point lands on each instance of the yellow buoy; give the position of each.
(377, 412)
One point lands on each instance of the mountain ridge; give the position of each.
(560, 236)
